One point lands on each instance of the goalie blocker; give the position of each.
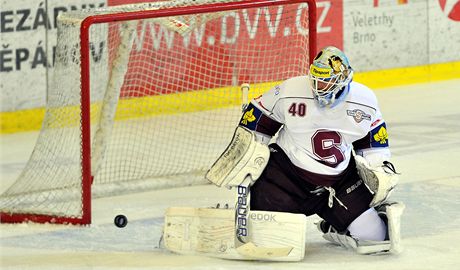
(243, 157)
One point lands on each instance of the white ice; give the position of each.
(424, 126)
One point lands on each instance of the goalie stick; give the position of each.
(243, 244)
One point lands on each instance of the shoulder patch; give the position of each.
(250, 117)
(379, 136)
(359, 115)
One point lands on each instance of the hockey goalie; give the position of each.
(330, 157)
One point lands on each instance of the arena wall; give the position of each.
(388, 42)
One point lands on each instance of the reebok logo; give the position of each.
(263, 217)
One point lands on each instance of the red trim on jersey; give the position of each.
(261, 105)
(375, 122)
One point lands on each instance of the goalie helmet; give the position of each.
(330, 74)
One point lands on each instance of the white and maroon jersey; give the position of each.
(318, 140)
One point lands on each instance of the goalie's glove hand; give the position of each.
(380, 180)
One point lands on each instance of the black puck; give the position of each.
(120, 221)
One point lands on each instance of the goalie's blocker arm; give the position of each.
(244, 156)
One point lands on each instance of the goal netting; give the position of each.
(147, 96)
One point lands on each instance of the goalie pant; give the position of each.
(284, 187)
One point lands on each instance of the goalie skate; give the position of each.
(275, 236)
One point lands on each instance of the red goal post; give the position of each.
(17, 206)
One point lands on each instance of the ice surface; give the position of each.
(424, 125)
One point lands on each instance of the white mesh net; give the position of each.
(165, 98)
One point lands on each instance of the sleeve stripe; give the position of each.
(255, 119)
(267, 126)
(364, 105)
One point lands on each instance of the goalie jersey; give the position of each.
(316, 139)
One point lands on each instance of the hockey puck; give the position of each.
(120, 221)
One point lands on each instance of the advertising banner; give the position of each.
(444, 30)
(375, 34)
(28, 42)
(191, 57)
(385, 34)
(28, 38)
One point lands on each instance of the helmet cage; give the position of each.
(325, 89)
(329, 73)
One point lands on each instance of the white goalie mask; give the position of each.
(330, 74)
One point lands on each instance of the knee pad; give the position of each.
(369, 226)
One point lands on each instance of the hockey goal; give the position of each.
(148, 95)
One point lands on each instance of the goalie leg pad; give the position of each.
(391, 213)
(275, 236)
